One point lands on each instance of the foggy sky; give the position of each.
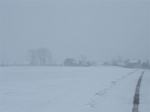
(97, 29)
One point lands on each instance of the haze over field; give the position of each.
(98, 29)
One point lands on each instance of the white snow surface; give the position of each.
(72, 89)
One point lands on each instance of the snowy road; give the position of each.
(71, 89)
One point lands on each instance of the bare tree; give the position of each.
(126, 62)
(83, 59)
(114, 62)
(41, 56)
(32, 54)
(119, 59)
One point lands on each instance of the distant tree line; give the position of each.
(42, 57)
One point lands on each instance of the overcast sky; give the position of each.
(99, 30)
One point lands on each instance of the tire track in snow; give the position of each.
(137, 94)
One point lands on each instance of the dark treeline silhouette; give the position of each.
(42, 57)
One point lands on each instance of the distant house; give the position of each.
(134, 64)
(70, 62)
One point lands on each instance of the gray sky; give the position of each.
(100, 30)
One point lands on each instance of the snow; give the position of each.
(71, 89)
(145, 93)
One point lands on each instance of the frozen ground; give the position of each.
(72, 89)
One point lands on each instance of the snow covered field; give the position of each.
(72, 89)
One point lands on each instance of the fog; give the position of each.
(100, 30)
